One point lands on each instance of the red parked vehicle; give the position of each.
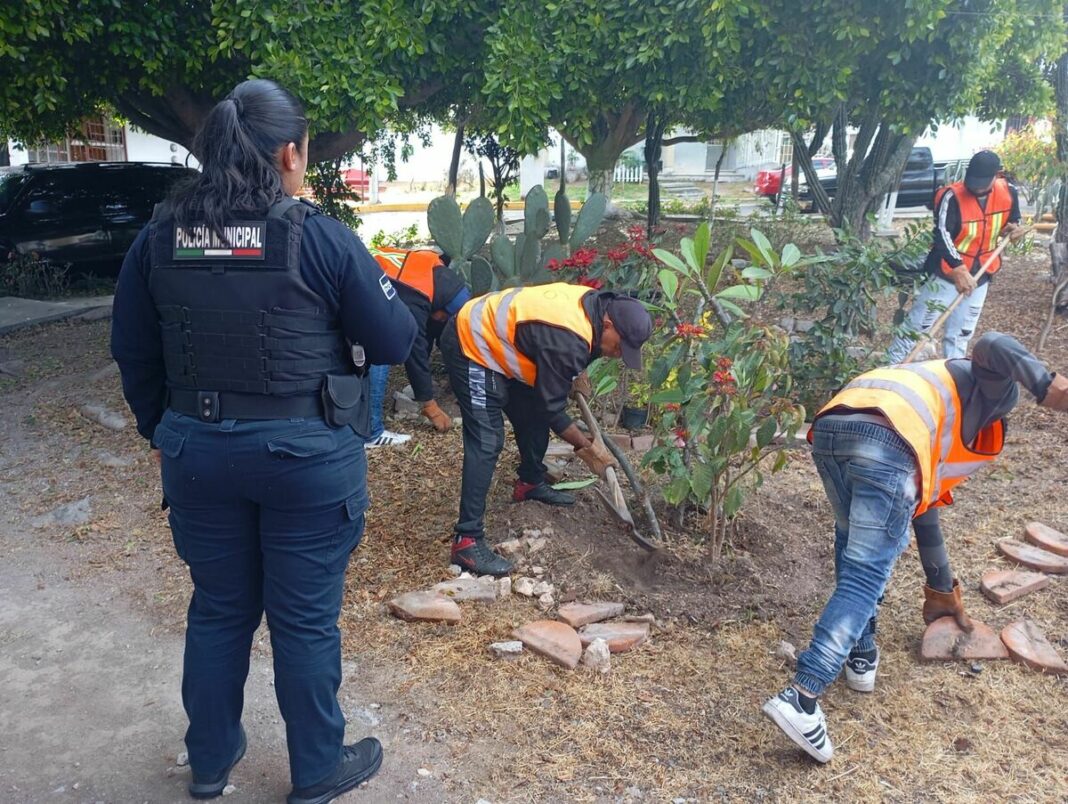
(357, 180)
(768, 181)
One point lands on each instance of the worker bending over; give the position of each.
(517, 353)
(889, 448)
(432, 292)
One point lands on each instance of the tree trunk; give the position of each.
(795, 175)
(868, 180)
(820, 199)
(654, 135)
(715, 180)
(1059, 247)
(613, 132)
(454, 163)
(5, 157)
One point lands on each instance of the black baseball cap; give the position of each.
(982, 168)
(634, 325)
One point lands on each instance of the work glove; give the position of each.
(581, 385)
(1057, 394)
(963, 281)
(436, 416)
(945, 604)
(1015, 232)
(597, 457)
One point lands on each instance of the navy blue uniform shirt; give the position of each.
(333, 263)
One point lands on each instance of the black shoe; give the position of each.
(474, 555)
(542, 492)
(212, 786)
(359, 762)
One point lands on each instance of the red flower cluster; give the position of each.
(582, 259)
(590, 282)
(672, 407)
(690, 331)
(723, 381)
(724, 363)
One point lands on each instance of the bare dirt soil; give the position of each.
(91, 618)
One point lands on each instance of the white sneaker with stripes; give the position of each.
(860, 673)
(808, 731)
(388, 439)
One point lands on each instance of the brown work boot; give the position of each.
(945, 604)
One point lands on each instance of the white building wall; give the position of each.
(144, 147)
(962, 139)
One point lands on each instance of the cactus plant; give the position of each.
(460, 236)
(525, 261)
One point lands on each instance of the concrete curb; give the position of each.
(17, 314)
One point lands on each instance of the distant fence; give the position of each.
(628, 175)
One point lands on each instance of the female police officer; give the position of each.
(234, 315)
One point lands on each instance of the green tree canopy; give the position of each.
(164, 64)
(595, 69)
(889, 70)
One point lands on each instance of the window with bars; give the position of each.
(101, 141)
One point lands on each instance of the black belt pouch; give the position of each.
(345, 402)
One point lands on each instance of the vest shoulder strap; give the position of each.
(161, 211)
(293, 209)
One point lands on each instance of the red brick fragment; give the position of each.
(944, 641)
(1033, 557)
(1004, 586)
(1047, 538)
(557, 642)
(1029, 646)
(620, 637)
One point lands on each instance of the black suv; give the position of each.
(83, 213)
(921, 177)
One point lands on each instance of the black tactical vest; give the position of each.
(238, 318)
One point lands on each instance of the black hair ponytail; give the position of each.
(237, 146)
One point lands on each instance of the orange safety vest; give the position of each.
(921, 403)
(487, 324)
(412, 268)
(979, 228)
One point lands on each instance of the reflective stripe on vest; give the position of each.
(486, 325)
(979, 228)
(415, 269)
(922, 405)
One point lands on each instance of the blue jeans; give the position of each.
(379, 378)
(869, 474)
(265, 514)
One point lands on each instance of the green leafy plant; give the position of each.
(721, 382)
(334, 197)
(28, 276)
(837, 296)
(399, 238)
(1030, 159)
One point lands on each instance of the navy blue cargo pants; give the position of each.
(265, 513)
(485, 397)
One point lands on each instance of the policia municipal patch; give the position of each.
(240, 241)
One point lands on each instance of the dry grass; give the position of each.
(680, 716)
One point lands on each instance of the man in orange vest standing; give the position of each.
(970, 216)
(517, 353)
(889, 449)
(433, 292)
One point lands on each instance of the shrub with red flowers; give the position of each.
(629, 264)
(722, 384)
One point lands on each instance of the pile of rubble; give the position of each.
(586, 632)
(1044, 551)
